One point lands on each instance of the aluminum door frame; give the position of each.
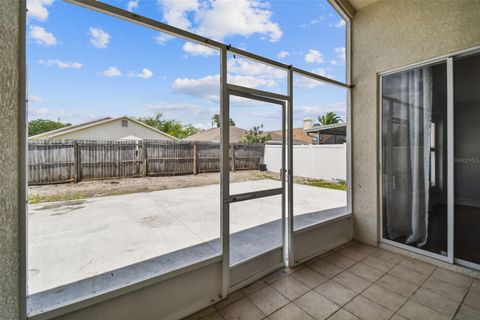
(227, 198)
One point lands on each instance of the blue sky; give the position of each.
(84, 65)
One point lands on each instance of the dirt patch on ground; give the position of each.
(99, 188)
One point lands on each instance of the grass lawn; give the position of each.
(33, 199)
(329, 184)
(341, 185)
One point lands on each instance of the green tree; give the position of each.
(256, 135)
(38, 126)
(329, 118)
(216, 121)
(172, 127)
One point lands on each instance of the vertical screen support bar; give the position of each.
(450, 160)
(224, 175)
(289, 225)
(348, 75)
(283, 177)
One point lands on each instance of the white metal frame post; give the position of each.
(283, 176)
(348, 71)
(289, 226)
(23, 165)
(450, 161)
(224, 174)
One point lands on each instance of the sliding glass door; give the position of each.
(414, 158)
(467, 158)
(430, 153)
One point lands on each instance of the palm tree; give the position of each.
(329, 118)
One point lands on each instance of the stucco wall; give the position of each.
(9, 174)
(387, 35)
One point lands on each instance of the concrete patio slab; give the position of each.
(73, 240)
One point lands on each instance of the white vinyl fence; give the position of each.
(328, 161)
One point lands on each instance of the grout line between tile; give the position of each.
(357, 294)
(464, 297)
(408, 299)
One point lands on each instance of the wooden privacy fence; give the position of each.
(52, 161)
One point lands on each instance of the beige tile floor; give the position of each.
(354, 281)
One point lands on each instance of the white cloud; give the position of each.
(111, 72)
(251, 81)
(208, 87)
(265, 114)
(175, 12)
(99, 38)
(333, 62)
(163, 38)
(307, 83)
(314, 56)
(283, 54)
(42, 111)
(309, 110)
(304, 82)
(145, 74)
(241, 72)
(61, 115)
(340, 24)
(250, 68)
(35, 99)
(37, 9)
(340, 53)
(42, 37)
(218, 19)
(196, 49)
(176, 107)
(61, 64)
(202, 126)
(320, 72)
(242, 17)
(313, 22)
(133, 4)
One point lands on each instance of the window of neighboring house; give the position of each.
(124, 123)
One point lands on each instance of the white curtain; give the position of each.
(408, 179)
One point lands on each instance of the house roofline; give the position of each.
(326, 127)
(68, 128)
(87, 125)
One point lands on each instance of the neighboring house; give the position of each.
(121, 128)
(237, 135)
(327, 134)
(299, 136)
(213, 135)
